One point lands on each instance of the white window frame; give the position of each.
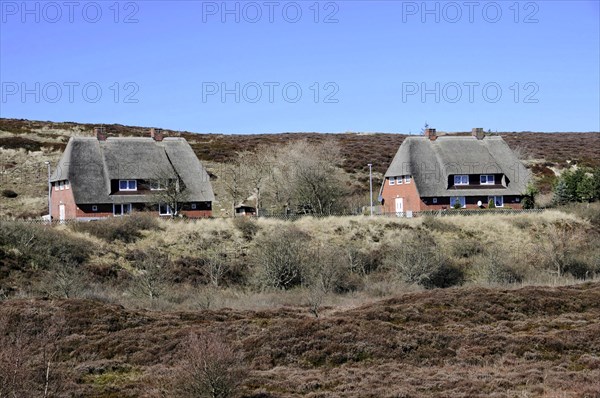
(458, 179)
(399, 180)
(123, 206)
(392, 180)
(156, 186)
(127, 183)
(487, 179)
(61, 185)
(67, 184)
(461, 199)
(494, 198)
(169, 210)
(407, 179)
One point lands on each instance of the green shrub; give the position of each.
(9, 193)
(126, 229)
(443, 276)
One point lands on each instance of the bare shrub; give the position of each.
(64, 280)
(280, 258)
(210, 367)
(497, 268)
(247, 226)
(149, 279)
(126, 229)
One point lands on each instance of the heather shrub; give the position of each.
(126, 229)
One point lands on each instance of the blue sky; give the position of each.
(327, 66)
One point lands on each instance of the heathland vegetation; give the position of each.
(489, 305)
(315, 307)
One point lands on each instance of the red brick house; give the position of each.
(104, 176)
(434, 172)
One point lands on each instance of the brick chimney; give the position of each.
(478, 133)
(100, 133)
(156, 134)
(431, 134)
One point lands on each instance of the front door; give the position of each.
(399, 206)
(61, 213)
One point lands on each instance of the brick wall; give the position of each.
(408, 192)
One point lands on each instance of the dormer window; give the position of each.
(399, 180)
(461, 179)
(127, 185)
(487, 179)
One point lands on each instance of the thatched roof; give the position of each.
(90, 165)
(431, 162)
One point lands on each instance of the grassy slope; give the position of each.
(535, 341)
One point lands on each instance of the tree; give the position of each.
(529, 198)
(168, 191)
(234, 183)
(561, 195)
(257, 166)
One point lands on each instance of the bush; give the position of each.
(9, 193)
(443, 276)
(415, 260)
(209, 368)
(246, 226)
(42, 244)
(126, 229)
(280, 258)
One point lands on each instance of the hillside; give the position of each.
(476, 342)
(25, 145)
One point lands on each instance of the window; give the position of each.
(156, 186)
(487, 179)
(392, 180)
(434, 200)
(193, 206)
(127, 185)
(407, 179)
(67, 185)
(498, 200)
(458, 199)
(164, 210)
(398, 180)
(94, 208)
(61, 185)
(121, 209)
(461, 180)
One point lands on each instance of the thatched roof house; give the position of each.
(102, 176)
(436, 172)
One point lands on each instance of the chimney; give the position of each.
(100, 133)
(156, 134)
(430, 133)
(478, 133)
